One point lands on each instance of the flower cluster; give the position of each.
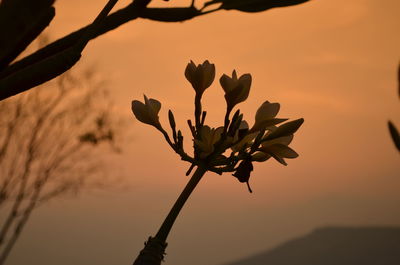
(234, 146)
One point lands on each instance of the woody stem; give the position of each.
(226, 120)
(197, 111)
(166, 226)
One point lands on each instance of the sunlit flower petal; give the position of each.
(265, 116)
(282, 150)
(278, 148)
(208, 137)
(147, 112)
(286, 140)
(236, 90)
(267, 111)
(228, 83)
(200, 76)
(245, 142)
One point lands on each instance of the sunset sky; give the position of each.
(331, 62)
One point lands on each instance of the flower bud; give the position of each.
(243, 172)
(200, 76)
(236, 90)
(147, 112)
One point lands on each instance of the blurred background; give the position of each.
(333, 63)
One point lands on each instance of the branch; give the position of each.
(59, 56)
(26, 213)
(32, 149)
(10, 129)
(53, 65)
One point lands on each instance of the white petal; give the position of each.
(189, 71)
(245, 80)
(140, 112)
(267, 111)
(227, 83)
(155, 105)
(283, 151)
(285, 140)
(208, 74)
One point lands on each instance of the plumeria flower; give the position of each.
(246, 140)
(236, 89)
(208, 138)
(264, 119)
(147, 112)
(277, 148)
(211, 145)
(265, 116)
(247, 144)
(200, 76)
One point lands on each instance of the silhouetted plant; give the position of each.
(49, 141)
(232, 147)
(392, 129)
(21, 21)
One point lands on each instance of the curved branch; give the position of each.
(62, 54)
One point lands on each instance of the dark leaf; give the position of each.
(38, 73)
(243, 171)
(21, 21)
(52, 65)
(398, 79)
(254, 5)
(395, 135)
(172, 14)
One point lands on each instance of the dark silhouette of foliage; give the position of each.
(392, 129)
(395, 135)
(21, 21)
(255, 5)
(50, 66)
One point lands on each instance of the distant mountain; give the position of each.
(335, 246)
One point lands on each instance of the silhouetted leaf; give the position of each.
(51, 66)
(398, 79)
(243, 172)
(395, 135)
(172, 14)
(254, 5)
(21, 21)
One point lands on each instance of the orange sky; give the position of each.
(331, 62)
